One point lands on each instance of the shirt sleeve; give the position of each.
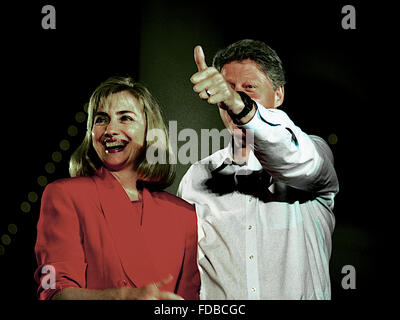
(290, 155)
(185, 187)
(180, 187)
(58, 249)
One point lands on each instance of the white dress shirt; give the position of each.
(279, 249)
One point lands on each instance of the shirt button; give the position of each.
(122, 283)
(250, 227)
(253, 289)
(250, 199)
(251, 257)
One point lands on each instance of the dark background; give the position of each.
(332, 88)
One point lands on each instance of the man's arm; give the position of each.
(288, 154)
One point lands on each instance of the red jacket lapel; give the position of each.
(125, 228)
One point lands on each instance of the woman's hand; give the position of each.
(149, 292)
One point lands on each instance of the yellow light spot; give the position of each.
(80, 117)
(64, 145)
(50, 167)
(42, 181)
(332, 139)
(25, 207)
(5, 239)
(32, 196)
(56, 156)
(72, 131)
(12, 228)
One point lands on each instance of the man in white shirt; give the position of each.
(264, 204)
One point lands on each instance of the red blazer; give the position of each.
(89, 233)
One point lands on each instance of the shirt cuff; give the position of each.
(264, 116)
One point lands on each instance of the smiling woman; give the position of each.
(118, 132)
(121, 107)
(105, 232)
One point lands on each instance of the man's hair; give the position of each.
(257, 51)
(84, 161)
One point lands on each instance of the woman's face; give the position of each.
(119, 131)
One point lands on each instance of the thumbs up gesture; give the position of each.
(199, 58)
(210, 84)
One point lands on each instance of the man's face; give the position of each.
(248, 77)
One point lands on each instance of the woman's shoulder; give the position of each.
(79, 185)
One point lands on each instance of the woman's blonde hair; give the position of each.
(84, 161)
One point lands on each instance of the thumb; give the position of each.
(162, 282)
(199, 58)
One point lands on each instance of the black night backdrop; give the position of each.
(48, 76)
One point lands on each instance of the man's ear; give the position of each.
(279, 96)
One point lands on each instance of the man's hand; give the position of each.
(150, 292)
(212, 86)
